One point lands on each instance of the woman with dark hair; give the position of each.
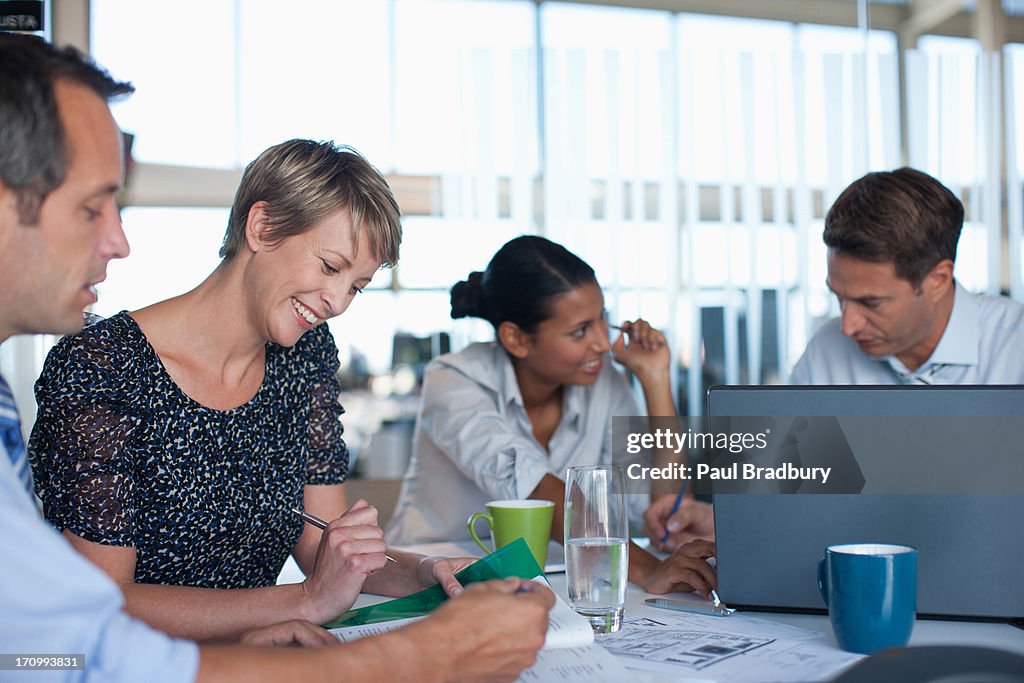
(503, 420)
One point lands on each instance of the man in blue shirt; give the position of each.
(892, 239)
(60, 167)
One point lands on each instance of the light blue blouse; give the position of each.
(55, 602)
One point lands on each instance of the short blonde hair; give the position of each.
(303, 182)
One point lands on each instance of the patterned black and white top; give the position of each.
(123, 457)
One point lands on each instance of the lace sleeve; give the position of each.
(80, 448)
(327, 454)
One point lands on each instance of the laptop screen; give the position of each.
(970, 545)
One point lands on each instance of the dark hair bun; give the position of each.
(467, 297)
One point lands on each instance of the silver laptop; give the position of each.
(971, 545)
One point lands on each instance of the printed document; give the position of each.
(736, 648)
(569, 653)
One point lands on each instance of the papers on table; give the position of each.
(590, 663)
(738, 648)
(565, 627)
(347, 634)
(568, 654)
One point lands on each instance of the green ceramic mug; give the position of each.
(512, 519)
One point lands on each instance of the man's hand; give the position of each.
(684, 571)
(693, 520)
(287, 633)
(489, 633)
(352, 547)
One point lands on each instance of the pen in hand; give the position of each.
(627, 329)
(675, 509)
(321, 524)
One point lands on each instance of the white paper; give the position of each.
(789, 660)
(736, 648)
(592, 664)
(568, 653)
(738, 622)
(347, 634)
(566, 628)
(555, 662)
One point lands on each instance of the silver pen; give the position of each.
(623, 330)
(712, 610)
(321, 524)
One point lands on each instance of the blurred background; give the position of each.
(688, 149)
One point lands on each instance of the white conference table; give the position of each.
(926, 631)
(1000, 636)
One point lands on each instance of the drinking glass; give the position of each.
(596, 543)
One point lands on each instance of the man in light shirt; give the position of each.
(60, 167)
(892, 239)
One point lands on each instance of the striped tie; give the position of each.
(10, 436)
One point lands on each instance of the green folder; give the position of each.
(515, 559)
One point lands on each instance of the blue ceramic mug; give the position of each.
(870, 590)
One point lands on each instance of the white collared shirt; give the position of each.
(474, 442)
(983, 344)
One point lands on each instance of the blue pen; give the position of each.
(675, 509)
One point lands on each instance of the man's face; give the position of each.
(884, 313)
(48, 271)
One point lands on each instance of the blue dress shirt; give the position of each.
(55, 602)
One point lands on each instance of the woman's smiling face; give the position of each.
(307, 278)
(569, 346)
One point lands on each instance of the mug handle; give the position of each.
(823, 581)
(472, 529)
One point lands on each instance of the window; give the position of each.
(172, 250)
(690, 159)
(248, 75)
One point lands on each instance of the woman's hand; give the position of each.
(351, 548)
(442, 570)
(295, 632)
(692, 521)
(684, 571)
(643, 350)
